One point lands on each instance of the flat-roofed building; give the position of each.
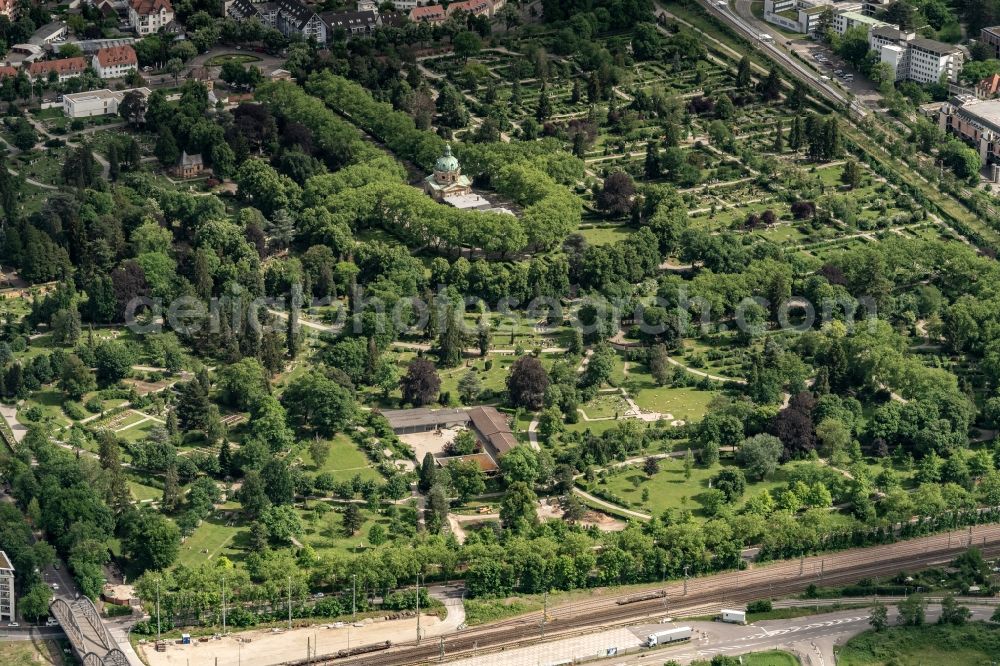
(490, 426)
(96, 102)
(975, 121)
(991, 37)
(844, 21)
(7, 608)
(914, 58)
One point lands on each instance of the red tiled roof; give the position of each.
(62, 67)
(146, 7)
(990, 85)
(8, 71)
(427, 12)
(471, 6)
(117, 55)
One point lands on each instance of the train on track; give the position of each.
(341, 654)
(646, 596)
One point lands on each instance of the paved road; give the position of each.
(811, 637)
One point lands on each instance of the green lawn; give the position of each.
(324, 529)
(770, 658)
(606, 235)
(143, 492)
(30, 653)
(141, 431)
(668, 489)
(209, 540)
(972, 645)
(605, 405)
(345, 460)
(240, 58)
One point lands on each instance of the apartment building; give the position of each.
(351, 24)
(115, 62)
(65, 68)
(287, 16)
(8, 611)
(149, 16)
(428, 14)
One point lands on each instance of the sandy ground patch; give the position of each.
(432, 442)
(550, 509)
(267, 647)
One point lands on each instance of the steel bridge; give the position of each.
(91, 640)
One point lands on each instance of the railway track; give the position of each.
(707, 593)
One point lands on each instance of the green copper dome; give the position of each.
(446, 162)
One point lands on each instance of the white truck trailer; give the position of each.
(733, 616)
(668, 636)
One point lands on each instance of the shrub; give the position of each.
(74, 410)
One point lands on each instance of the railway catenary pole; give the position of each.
(779, 578)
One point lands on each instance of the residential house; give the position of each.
(428, 14)
(65, 68)
(7, 8)
(475, 7)
(294, 18)
(115, 62)
(351, 23)
(265, 12)
(149, 16)
(290, 17)
(988, 87)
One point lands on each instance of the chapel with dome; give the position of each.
(447, 180)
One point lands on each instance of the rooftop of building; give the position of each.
(62, 65)
(986, 112)
(891, 32)
(104, 93)
(117, 55)
(424, 416)
(5, 561)
(347, 19)
(484, 460)
(858, 17)
(145, 7)
(934, 46)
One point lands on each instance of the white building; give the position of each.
(96, 102)
(802, 15)
(149, 16)
(844, 21)
(913, 58)
(49, 33)
(932, 61)
(115, 62)
(7, 609)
